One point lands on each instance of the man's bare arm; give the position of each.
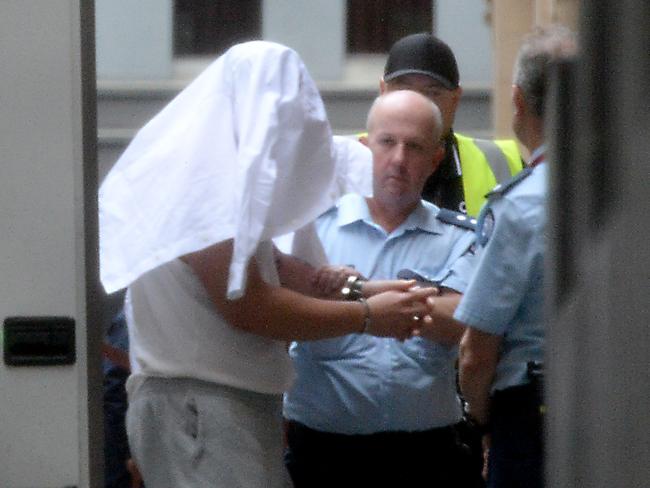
(439, 324)
(294, 273)
(279, 313)
(479, 354)
(327, 281)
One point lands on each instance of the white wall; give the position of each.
(315, 29)
(44, 411)
(461, 24)
(134, 39)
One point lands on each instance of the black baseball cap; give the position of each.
(423, 54)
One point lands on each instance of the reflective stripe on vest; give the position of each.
(485, 163)
(495, 158)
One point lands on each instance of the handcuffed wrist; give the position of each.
(352, 288)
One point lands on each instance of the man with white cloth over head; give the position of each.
(187, 214)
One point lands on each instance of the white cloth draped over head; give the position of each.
(244, 152)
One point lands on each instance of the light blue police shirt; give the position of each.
(361, 384)
(505, 296)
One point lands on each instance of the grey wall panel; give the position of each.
(599, 325)
(44, 411)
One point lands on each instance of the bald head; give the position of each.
(407, 105)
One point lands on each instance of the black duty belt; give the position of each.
(527, 397)
(441, 436)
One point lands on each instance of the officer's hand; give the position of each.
(397, 313)
(374, 287)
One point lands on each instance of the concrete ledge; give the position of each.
(129, 89)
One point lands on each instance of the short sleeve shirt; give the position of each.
(505, 296)
(361, 384)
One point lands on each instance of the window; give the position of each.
(208, 27)
(374, 25)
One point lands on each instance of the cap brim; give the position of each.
(441, 79)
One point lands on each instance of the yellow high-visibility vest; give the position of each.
(484, 163)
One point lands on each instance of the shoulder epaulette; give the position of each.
(503, 188)
(456, 218)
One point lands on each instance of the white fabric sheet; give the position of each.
(353, 175)
(244, 152)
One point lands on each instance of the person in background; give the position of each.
(471, 166)
(116, 447)
(502, 351)
(370, 411)
(119, 469)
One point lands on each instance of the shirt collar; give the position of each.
(353, 208)
(539, 152)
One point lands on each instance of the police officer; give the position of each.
(502, 348)
(366, 412)
(471, 167)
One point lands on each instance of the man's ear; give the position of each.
(457, 93)
(518, 100)
(438, 156)
(363, 139)
(382, 86)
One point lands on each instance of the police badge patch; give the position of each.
(485, 227)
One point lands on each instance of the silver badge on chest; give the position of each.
(485, 227)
